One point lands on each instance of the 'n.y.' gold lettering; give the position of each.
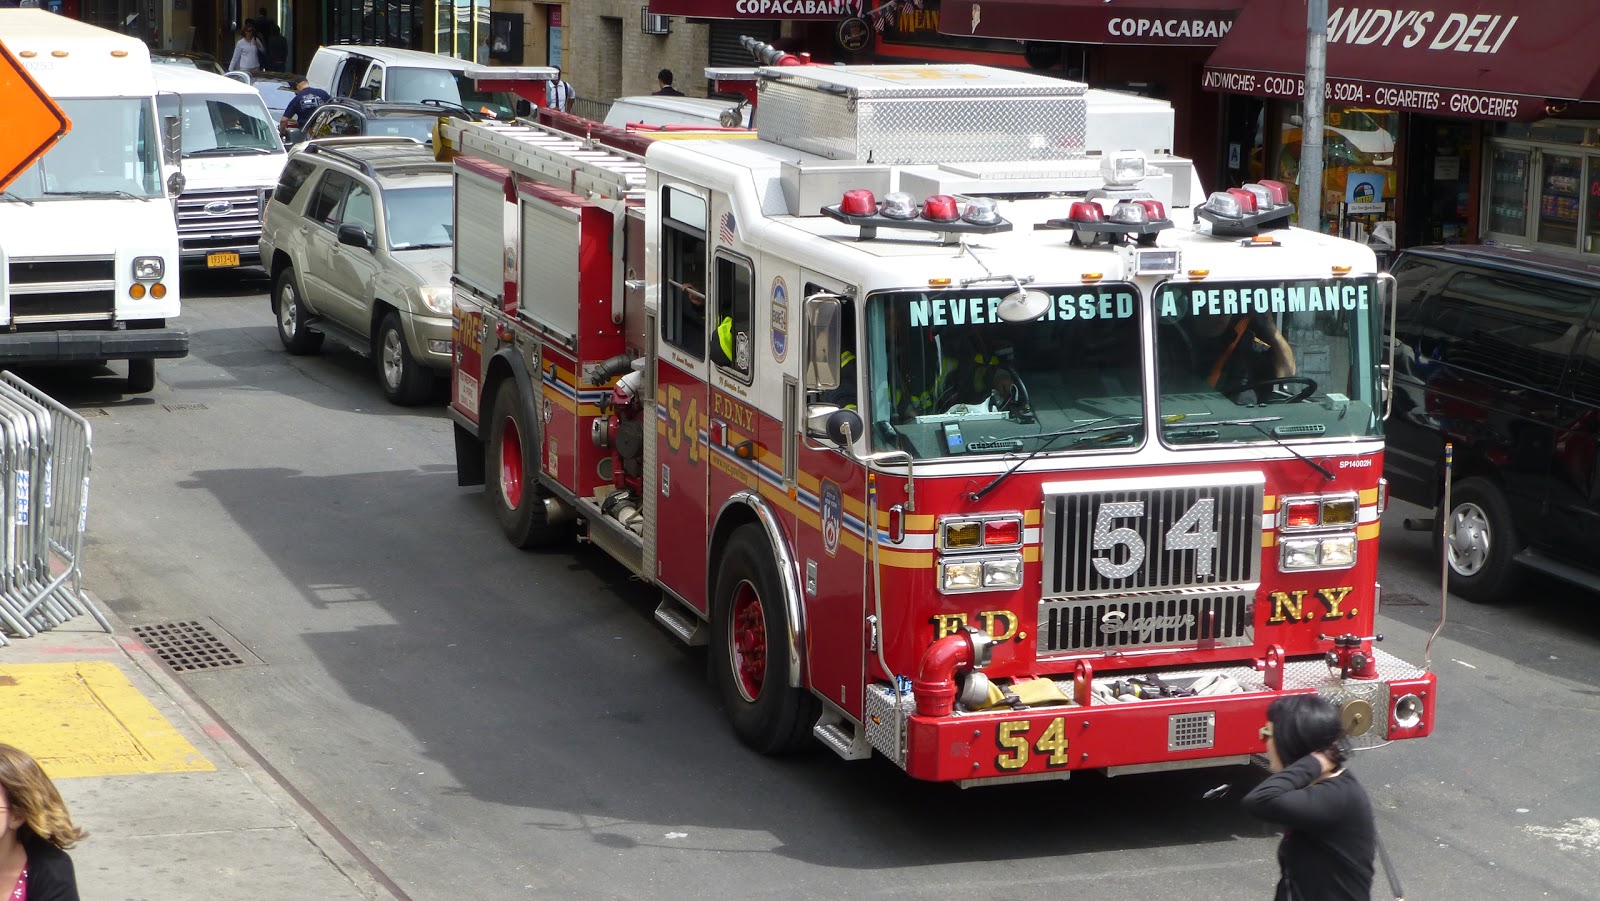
(1332, 598)
(1287, 607)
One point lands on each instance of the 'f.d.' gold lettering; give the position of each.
(947, 623)
(989, 619)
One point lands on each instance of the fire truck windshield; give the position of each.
(950, 377)
(1300, 351)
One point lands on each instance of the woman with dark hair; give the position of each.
(1327, 850)
(35, 833)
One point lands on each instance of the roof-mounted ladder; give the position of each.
(552, 157)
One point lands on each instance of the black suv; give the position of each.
(1497, 351)
(346, 117)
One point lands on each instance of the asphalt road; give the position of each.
(496, 724)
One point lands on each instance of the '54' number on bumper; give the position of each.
(1016, 744)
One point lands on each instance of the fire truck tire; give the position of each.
(405, 381)
(512, 474)
(141, 376)
(290, 311)
(1481, 541)
(749, 665)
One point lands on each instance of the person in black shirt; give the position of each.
(664, 79)
(1327, 850)
(305, 102)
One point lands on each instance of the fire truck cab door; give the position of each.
(829, 533)
(682, 398)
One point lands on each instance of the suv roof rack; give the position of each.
(340, 149)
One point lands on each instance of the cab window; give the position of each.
(683, 260)
(289, 183)
(732, 349)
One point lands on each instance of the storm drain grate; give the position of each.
(184, 408)
(1399, 599)
(188, 646)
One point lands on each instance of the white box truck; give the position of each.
(88, 245)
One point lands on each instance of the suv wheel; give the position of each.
(292, 315)
(1481, 541)
(405, 381)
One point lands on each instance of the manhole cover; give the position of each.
(183, 408)
(1399, 599)
(190, 646)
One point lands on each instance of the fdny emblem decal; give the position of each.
(832, 516)
(780, 319)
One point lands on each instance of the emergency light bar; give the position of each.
(1247, 211)
(1141, 220)
(938, 213)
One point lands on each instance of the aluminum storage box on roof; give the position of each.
(921, 114)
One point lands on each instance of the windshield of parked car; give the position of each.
(420, 217)
(411, 85)
(948, 377)
(413, 125)
(111, 151)
(227, 125)
(1260, 361)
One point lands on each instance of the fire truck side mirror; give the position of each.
(840, 426)
(172, 140)
(824, 314)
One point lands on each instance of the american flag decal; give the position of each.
(725, 233)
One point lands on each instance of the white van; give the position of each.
(656, 111)
(232, 158)
(411, 76)
(88, 253)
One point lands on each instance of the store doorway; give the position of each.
(1439, 178)
(1243, 141)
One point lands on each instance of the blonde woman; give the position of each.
(34, 865)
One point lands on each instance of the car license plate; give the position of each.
(216, 260)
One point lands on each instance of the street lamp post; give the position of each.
(1311, 114)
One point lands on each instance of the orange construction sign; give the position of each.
(33, 121)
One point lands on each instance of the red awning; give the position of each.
(759, 9)
(1477, 59)
(1165, 22)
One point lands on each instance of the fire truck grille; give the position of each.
(1112, 538)
(1192, 619)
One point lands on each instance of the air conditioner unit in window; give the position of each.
(651, 24)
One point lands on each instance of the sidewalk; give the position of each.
(176, 809)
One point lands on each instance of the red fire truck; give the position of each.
(941, 413)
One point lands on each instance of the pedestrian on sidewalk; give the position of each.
(664, 86)
(38, 831)
(1327, 851)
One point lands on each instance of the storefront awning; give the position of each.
(759, 9)
(1163, 22)
(1474, 59)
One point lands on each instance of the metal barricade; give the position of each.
(44, 477)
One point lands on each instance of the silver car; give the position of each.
(357, 240)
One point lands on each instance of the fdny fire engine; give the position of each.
(943, 416)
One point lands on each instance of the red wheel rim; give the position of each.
(748, 648)
(511, 464)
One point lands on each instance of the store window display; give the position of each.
(1543, 185)
(1360, 181)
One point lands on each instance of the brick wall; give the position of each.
(608, 56)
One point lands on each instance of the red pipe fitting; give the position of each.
(935, 685)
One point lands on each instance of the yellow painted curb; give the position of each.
(87, 719)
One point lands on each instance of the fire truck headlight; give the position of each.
(1325, 552)
(1005, 572)
(1300, 553)
(1340, 551)
(963, 533)
(961, 575)
(435, 298)
(149, 267)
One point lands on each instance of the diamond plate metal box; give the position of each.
(921, 114)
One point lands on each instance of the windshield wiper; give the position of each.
(418, 246)
(1254, 423)
(111, 193)
(14, 198)
(1119, 422)
(209, 151)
